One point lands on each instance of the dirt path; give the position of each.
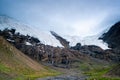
(68, 74)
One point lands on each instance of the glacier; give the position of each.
(46, 37)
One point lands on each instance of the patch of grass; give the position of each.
(41, 75)
(95, 71)
(19, 72)
(4, 69)
(98, 74)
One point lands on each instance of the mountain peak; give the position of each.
(45, 37)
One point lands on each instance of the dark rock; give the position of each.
(13, 31)
(63, 41)
(112, 37)
(77, 46)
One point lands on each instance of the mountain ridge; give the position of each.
(45, 36)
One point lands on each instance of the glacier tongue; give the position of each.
(44, 36)
(89, 40)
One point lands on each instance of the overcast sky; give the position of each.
(68, 17)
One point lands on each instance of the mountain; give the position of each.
(14, 65)
(45, 53)
(43, 36)
(46, 37)
(14, 62)
(112, 37)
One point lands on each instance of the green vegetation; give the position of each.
(96, 70)
(99, 74)
(14, 65)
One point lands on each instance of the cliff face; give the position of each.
(112, 37)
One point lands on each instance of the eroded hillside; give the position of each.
(15, 65)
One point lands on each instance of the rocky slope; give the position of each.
(32, 47)
(112, 37)
(14, 65)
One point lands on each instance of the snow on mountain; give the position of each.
(89, 40)
(44, 36)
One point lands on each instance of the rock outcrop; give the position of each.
(63, 41)
(112, 37)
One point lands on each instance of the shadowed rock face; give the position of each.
(97, 52)
(112, 37)
(63, 41)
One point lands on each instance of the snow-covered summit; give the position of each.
(44, 36)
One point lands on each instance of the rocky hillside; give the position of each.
(112, 37)
(14, 65)
(31, 46)
(97, 52)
